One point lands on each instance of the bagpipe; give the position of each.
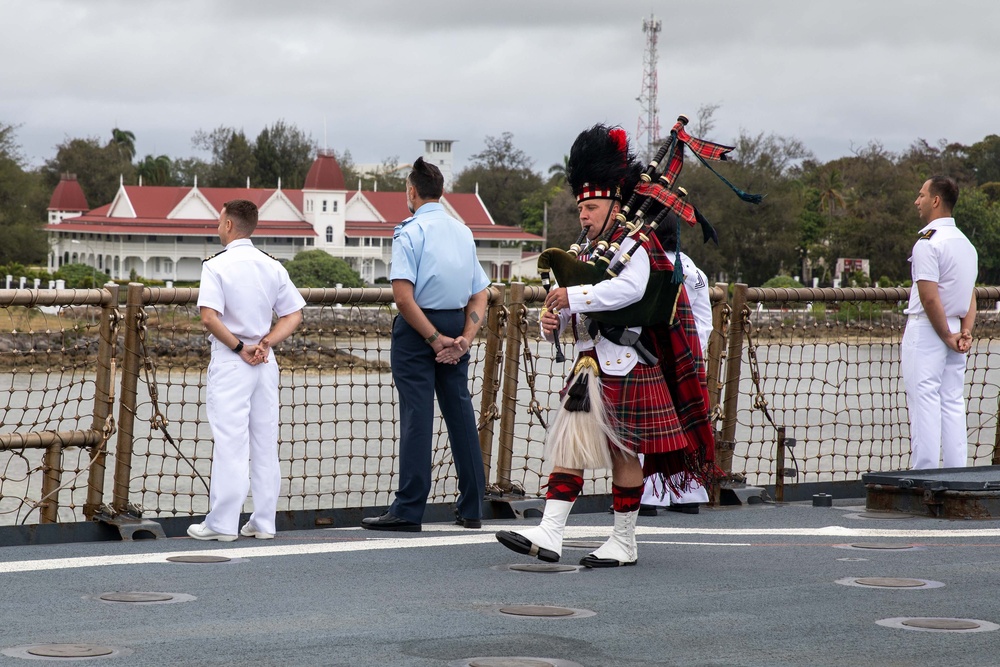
(654, 192)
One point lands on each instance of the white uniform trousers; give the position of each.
(934, 377)
(243, 414)
(653, 493)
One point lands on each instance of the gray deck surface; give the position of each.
(749, 586)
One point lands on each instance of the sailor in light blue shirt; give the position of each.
(437, 255)
(440, 290)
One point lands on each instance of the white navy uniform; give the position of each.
(696, 284)
(245, 286)
(934, 374)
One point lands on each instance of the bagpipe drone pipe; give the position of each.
(649, 205)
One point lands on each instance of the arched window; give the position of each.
(329, 234)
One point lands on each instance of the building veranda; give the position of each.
(164, 232)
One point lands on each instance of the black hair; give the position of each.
(426, 178)
(946, 188)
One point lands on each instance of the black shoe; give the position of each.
(522, 545)
(390, 522)
(683, 508)
(647, 510)
(468, 523)
(594, 562)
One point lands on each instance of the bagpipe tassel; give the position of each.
(678, 276)
(578, 397)
(745, 196)
(583, 429)
(707, 230)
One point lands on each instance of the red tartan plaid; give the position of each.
(644, 413)
(664, 410)
(675, 343)
(706, 149)
(675, 163)
(668, 199)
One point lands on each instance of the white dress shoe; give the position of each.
(200, 531)
(249, 531)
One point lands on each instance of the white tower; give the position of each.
(647, 137)
(438, 152)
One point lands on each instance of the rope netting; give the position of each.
(48, 363)
(339, 422)
(540, 378)
(828, 370)
(823, 364)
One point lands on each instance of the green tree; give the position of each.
(99, 168)
(156, 171)
(80, 276)
(756, 241)
(186, 170)
(233, 160)
(979, 218)
(558, 171)
(504, 178)
(124, 143)
(564, 220)
(317, 268)
(984, 159)
(388, 176)
(283, 151)
(23, 202)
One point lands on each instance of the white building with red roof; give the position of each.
(164, 233)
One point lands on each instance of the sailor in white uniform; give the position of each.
(940, 317)
(653, 495)
(241, 288)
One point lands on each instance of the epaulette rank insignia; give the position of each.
(268, 254)
(926, 235)
(213, 256)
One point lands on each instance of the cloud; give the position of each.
(380, 75)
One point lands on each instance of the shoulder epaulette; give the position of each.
(926, 235)
(213, 256)
(268, 254)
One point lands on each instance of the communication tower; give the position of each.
(648, 134)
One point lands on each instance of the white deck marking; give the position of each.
(455, 536)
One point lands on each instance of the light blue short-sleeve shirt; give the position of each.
(437, 253)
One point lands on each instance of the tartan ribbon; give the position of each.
(670, 200)
(674, 164)
(705, 149)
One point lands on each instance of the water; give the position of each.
(843, 404)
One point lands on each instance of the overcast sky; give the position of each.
(375, 76)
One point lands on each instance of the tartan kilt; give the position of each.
(643, 411)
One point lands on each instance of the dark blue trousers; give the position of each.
(418, 378)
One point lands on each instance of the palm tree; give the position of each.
(830, 196)
(124, 141)
(558, 172)
(156, 171)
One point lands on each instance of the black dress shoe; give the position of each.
(647, 510)
(390, 522)
(468, 523)
(594, 562)
(684, 508)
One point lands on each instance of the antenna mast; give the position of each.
(648, 134)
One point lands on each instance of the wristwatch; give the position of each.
(238, 348)
(433, 337)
